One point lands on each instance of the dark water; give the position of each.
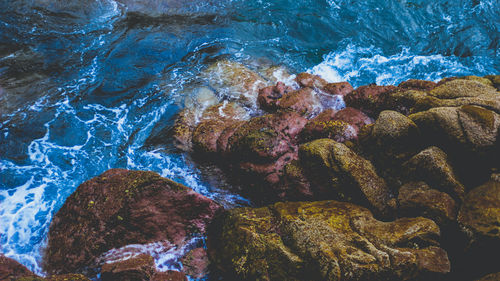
(84, 83)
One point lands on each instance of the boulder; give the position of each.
(495, 80)
(324, 240)
(264, 145)
(139, 268)
(368, 98)
(235, 81)
(483, 80)
(195, 263)
(303, 101)
(460, 88)
(479, 215)
(62, 277)
(119, 208)
(326, 125)
(354, 117)
(10, 269)
(305, 79)
(269, 96)
(418, 199)
(340, 88)
(415, 84)
(491, 277)
(468, 134)
(182, 131)
(432, 166)
(170, 275)
(348, 176)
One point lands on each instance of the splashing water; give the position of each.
(83, 86)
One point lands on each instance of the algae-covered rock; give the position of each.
(269, 96)
(325, 125)
(324, 240)
(139, 268)
(491, 277)
(460, 88)
(495, 80)
(118, 208)
(62, 277)
(303, 101)
(350, 177)
(418, 199)
(432, 166)
(169, 275)
(483, 80)
(195, 263)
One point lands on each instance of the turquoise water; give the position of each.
(83, 84)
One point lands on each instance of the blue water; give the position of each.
(84, 83)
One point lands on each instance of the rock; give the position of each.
(118, 208)
(303, 101)
(305, 79)
(482, 80)
(468, 134)
(324, 240)
(491, 277)
(460, 88)
(296, 184)
(368, 98)
(479, 215)
(63, 277)
(213, 123)
(10, 269)
(495, 80)
(418, 199)
(354, 117)
(235, 81)
(340, 88)
(139, 268)
(182, 130)
(264, 145)
(325, 125)
(277, 73)
(269, 96)
(195, 263)
(432, 166)
(415, 84)
(169, 276)
(349, 176)
(395, 136)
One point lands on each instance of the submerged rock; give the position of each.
(325, 240)
(139, 268)
(119, 208)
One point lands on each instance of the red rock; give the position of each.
(169, 276)
(118, 208)
(139, 268)
(326, 126)
(354, 117)
(269, 96)
(195, 263)
(340, 88)
(368, 98)
(309, 80)
(11, 269)
(302, 101)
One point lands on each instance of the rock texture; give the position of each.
(139, 268)
(119, 208)
(325, 240)
(12, 270)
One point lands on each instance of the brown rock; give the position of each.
(269, 96)
(460, 88)
(119, 208)
(139, 268)
(418, 199)
(11, 269)
(349, 176)
(354, 117)
(324, 240)
(415, 84)
(340, 88)
(491, 277)
(432, 166)
(325, 125)
(303, 101)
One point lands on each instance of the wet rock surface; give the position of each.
(122, 207)
(324, 240)
(10, 269)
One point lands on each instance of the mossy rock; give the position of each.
(323, 240)
(495, 80)
(460, 88)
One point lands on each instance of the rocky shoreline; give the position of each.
(403, 183)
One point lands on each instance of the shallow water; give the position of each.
(84, 83)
